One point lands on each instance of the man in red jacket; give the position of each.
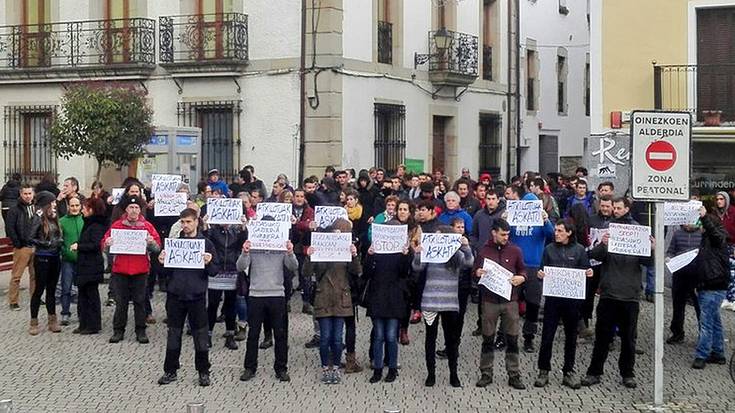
(130, 271)
(494, 307)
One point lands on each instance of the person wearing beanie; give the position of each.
(216, 184)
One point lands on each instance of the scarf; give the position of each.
(354, 213)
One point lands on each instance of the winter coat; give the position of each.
(532, 240)
(221, 186)
(300, 232)
(448, 216)
(227, 242)
(682, 241)
(587, 202)
(387, 294)
(46, 244)
(600, 221)
(10, 194)
(333, 294)
(471, 205)
(129, 264)
(713, 260)
(90, 263)
(510, 257)
(570, 255)
(71, 228)
(482, 223)
(18, 224)
(190, 284)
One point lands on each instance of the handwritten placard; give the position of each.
(169, 204)
(389, 239)
(331, 247)
(681, 213)
(629, 240)
(496, 279)
(596, 235)
(324, 216)
(527, 213)
(268, 235)
(117, 194)
(279, 212)
(224, 210)
(682, 260)
(564, 282)
(161, 183)
(184, 253)
(439, 248)
(128, 241)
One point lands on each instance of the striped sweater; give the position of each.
(441, 291)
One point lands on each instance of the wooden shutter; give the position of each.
(716, 61)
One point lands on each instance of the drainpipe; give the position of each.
(302, 93)
(518, 86)
(509, 95)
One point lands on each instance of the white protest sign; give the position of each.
(224, 211)
(331, 246)
(117, 194)
(496, 279)
(169, 204)
(128, 241)
(682, 260)
(268, 235)
(183, 253)
(629, 240)
(324, 216)
(389, 239)
(161, 183)
(596, 235)
(681, 213)
(528, 213)
(564, 282)
(439, 248)
(279, 212)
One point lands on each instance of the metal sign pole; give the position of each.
(658, 388)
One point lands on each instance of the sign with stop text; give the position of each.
(661, 155)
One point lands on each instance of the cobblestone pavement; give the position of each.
(71, 373)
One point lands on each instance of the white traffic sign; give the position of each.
(660, 150)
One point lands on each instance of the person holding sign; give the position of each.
(500, 250)
(564, 253)
(90, 266)
(683, 281)
(439, 299)
(130, 271)
(620, 290)
(333, 303)
(453, 210)
(186, 297)
(599, 223)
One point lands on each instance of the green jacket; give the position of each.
(71, 227)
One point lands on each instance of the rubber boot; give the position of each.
(53, 324)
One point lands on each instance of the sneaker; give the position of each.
(65, 319)
(283, 376)
(477, 332)
(528, 346)
(516, 382)
(715, 359)
(542, 380)
(266, 344)
(675, 339)
(167, 378)
(204, 380)
(141, 337)
(247, 375)
(326, 376)
(630, 382)
(242, 333)
(485, 380)
(570, 380)
(699, 364)
(117, 337)
(441, 354)
(336, 376)
(589, 380)
(14, 307)
(313, 343)
(391, 376)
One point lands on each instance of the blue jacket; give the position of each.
(587, 201)
(532, 240)
(221, 186)
(448, 216)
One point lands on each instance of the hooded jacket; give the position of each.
(333, 295)
(532, 240)
(727, 215)
(510, 257)
(713, 261)
(129, 264)
(329, 194)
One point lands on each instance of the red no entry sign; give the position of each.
(661, 156)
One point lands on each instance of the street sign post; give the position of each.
(661, 161)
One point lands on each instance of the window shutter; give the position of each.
(716, 61)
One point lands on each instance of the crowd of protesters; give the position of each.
(63, 239)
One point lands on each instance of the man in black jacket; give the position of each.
(187, 296)
(599, 221)
(564, 253)
(18, 228)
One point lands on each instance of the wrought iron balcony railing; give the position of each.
(75, 44)
(385, 42)
(460, 57)
(699, 89)
(487, 62)
(204, 38)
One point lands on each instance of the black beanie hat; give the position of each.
(44, 199)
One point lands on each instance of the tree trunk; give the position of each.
(99, 170)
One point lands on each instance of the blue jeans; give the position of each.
(66, 282)
(241, 308)
(711, 339)
(650, 280)
(385, 331)
(330, 340)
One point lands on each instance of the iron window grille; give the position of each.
(385, 42)
(390, 135)
(490, 148)
(26, 145)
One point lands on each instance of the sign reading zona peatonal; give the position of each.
(661, 155)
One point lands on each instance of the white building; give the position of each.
(555, 62)
(379, 87)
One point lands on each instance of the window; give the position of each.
(490, 147)
(563, 8)
(587, 88)
(488, 18)
(390, 135)
(220, 123)
(385, 32)
(531, 73)
(715, 72)
(36, 39)
(25, 144)
(561, 84)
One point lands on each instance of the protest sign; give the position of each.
(268, 235)
(629, 240)
(324, 216)
(331, 247)
(496, 279)
(389, 239)
(279, 212)
(682, 260)
(564, 282)
(117, 194)
(528, 213)
(224, 211)
(169, 204)
(184, 253)
(128, 241)
(681, 213)
(439, 248)
(596, 235)
(161, 183)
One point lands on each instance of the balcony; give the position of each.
(703, 90)
(385, 42)
(203, 42)
(457, 63)
(487, 63)
(71, 49)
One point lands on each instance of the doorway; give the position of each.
(548, 155)
(439, 143)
